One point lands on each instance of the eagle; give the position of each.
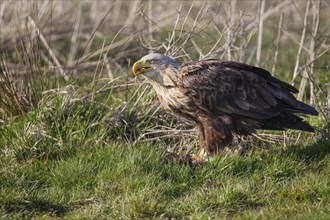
(223, 98)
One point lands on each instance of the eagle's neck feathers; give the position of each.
(173, 99)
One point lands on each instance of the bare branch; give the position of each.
(277, 44)
(49, 50)
(302, 39)
(260, 31)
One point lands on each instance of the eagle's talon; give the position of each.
(197, 159)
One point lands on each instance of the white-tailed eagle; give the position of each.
(224, 97)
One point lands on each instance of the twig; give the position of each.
(171, 39)
(229, 39)
(230, 14)
(310, 74)
(111, 46)
(132, 97)
(150, 26)
(95, 30)
(260, 31)
(269, 12)
(170, 133)
(262, 139)
(328, 98)
(284, 140)
(115, 15)
(198, 49)
(312, 61)
(2, 9)
(243, 42)
(49, 50)
(297, 138)
(277, 44)
(99, 68)
(295, 72)
(104, 91)
(75, 33)
(107, 65)
(316, 21)
(140, 97)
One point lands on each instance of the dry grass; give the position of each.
(47, 45)
(50, 44)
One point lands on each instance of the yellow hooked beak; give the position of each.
(140, 67)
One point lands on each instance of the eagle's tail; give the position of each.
(304, 108)
(301, 125)
(287, 120)
(290, 117)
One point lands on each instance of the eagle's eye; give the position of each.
(151, 61)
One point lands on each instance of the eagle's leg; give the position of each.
(215, 136)
(205, 153)
(199, 158)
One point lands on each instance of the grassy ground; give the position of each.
(87, 177)
(80, 138)
(118, 181)
(65, 163)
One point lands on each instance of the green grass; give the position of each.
(83, 173)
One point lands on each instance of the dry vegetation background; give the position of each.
(85, 49)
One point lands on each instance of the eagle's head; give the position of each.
(157, 68)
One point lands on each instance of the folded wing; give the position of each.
(245, 92)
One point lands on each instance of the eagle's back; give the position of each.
(249, 95)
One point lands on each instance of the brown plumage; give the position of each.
(224, 97)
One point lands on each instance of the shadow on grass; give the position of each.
(316, 151)
(35, 206)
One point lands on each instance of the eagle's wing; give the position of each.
(238, 89)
